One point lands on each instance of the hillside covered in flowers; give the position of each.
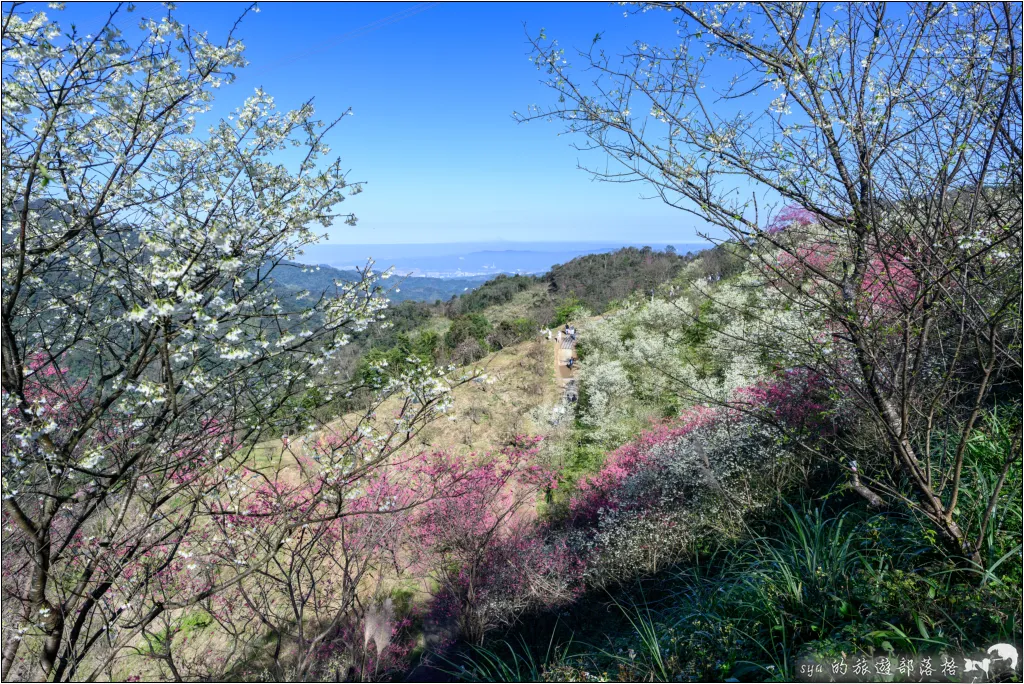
(794, 452)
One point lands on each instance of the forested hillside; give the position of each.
(710, 481)
(594, 281)
(292, 278)
(500, 313)
(796, 455)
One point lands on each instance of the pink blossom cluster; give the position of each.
(599, 491)
(793, 398)
(888, 286)
(791, 216)
(484, 547)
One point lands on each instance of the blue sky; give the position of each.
(433, 88)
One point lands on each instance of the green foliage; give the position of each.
(512, 332)
(652, 657)
(403, 598)
(505, 662)
(987, 451)
(195, 621)
(703, 326)
(380, 363)
(500, 290)
(818, 583)
(809, 581)
(569, 309)
(471, 326)
(581, 457)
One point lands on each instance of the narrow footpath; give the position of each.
(565, 350)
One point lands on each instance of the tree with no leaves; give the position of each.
(891, 134)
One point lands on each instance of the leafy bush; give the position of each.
(571, 308)
(472, 326)
(500, 290)
(382, 363)
(512, 332)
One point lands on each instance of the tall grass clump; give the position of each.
(506, 662)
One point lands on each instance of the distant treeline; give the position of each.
(291, 278)
(593, 282)
(509, 309)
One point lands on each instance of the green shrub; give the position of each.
(512, 332)
(195, 621)
(472, 326)
(812, 582)
(569, 309)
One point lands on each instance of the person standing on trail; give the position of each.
(559, 337)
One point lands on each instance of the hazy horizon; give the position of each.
(470, 259)
(689, 240)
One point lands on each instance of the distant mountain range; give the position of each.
(293, 278)
(468, 259)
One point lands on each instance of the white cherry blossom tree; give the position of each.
(889, 136)
(144, 348)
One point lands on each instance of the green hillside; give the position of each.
(507, 310)
(795, 456)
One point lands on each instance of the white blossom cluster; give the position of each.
(641, 356)
(144, 341)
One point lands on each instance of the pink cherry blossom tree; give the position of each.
(482, 545)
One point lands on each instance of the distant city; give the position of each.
(469, 259)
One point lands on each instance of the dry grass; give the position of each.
(514, 393)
